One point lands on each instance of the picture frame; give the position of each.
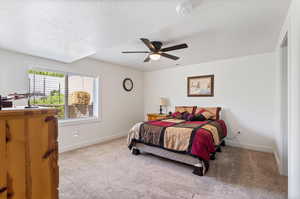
(200, 86)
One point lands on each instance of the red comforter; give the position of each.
(194, 138)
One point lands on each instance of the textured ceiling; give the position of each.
(68, 30)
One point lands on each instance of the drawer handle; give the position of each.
(3, 189)
(8, 135)
(10, 195)
(50, 118)
(48, 153)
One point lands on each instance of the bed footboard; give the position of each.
(200, 166)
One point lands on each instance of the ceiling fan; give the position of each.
(156, 50)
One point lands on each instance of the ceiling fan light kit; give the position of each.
(156, 50)
(155, 56)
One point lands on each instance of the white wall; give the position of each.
(244, 87)
(119, 109)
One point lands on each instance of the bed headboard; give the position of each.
(190, 109)
(194, 109)
(214, 110)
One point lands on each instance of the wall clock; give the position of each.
(128, 84)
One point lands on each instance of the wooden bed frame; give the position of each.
(200, 166)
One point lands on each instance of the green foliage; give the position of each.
(54, 100)
(52, 74)
(55, 93)
(61, 114)
(50, 100)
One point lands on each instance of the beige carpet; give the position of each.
(109, 171)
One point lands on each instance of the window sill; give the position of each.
(76, 122)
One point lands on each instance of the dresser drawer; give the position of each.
(154, 116)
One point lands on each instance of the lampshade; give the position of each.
(163, 102)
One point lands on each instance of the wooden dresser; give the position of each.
(28, 154)
(156, 116)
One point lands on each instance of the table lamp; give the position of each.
(163, 102)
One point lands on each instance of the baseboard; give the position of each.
(251, 146)
(91, 142)
(278, 162)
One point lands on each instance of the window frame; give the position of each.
(96, 90)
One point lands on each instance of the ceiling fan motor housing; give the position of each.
(157, 45)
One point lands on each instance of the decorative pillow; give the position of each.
(179, 116)
(190, 117)
(176, 114)
(199, 117)
(185, 115)
(208, 115)
(181, 109)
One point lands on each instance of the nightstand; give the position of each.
(156, 116)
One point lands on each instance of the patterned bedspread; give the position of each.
(191, 137)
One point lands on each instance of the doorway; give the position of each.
(284, 105)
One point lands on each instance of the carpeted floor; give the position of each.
(109, 171)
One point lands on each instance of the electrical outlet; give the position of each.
(234, 136)
(75, 134)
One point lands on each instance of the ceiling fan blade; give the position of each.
(169, 56)
(177, 47)
(148, 43)
(135, 52)
(147, 59)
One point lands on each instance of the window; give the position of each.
(73, 94)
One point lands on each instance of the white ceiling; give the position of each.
(68, 30)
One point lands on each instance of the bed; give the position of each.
(191, 142)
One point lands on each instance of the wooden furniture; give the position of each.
(156, 116)
(28, 154)
(214, 110)
(194, 109)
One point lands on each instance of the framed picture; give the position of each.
(200, 86)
